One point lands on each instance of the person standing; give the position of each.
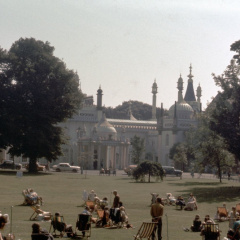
(116, 199)
(157, 213)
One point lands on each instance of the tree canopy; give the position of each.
(37, 93)
(209, 148)
(148, 168)
(225, 109)
(140, 111)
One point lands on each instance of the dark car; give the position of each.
(172, 171)
(9, 164)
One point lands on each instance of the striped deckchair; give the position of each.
(146, 230)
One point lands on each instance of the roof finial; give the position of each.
(190, 74)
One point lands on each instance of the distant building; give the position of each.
(95, 141)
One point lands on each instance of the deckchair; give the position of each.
(90, 204)
(84, 225)
(238, 208)
(146, 231)
(210, 231)
(222, 213)
(38, 213)
(58, 224)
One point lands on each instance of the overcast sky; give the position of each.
(124, 45)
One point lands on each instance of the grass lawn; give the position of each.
(62, 192)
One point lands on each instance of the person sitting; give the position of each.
(124, 217)
(92, 195)
(191, 204)
(222, 215)
(180, 202)
(106, 219)
(171, 199)
(97, 202)
(104, 203)
(232, 217)
(207, 219)
(197, 224)
(40, 234)
(42, 215)
(214, 232)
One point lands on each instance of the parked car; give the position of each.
(9, 164)
(172, 171)
(129, 169)
(40, 168)
(65, 167)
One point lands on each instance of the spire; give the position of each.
(131, 117)
(154, 100)
(99, 98)
(180, 88)
(190, 96)
(199, 93)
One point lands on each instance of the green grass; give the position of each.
(62, 193)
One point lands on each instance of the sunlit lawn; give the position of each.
(62, 192)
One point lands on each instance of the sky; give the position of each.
(125, 45)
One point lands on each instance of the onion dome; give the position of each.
(183, 110)
(105, 129)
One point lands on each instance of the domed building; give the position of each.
(95, 141)
(182, 116)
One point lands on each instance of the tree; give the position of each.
(137, 149)
(225, 109)
(210, 149)
(150, 169)
(178, 153)
(38, 92)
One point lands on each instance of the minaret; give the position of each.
(190, 96)
(99, 98)
(199, 93)
(154, 100)
(180, 89)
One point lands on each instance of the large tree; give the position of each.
(226, 106)
(210, 149)
(37, 93)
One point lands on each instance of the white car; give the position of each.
(65, 167)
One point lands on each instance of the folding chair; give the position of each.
(146, 230)
(91, 205)
(59, 225)
(238, 208)
(222, 213)
(40, 236)
(38, 213)
(210, 231)
(84, 225)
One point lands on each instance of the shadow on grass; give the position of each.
(213, 195)
(14, 173)
(197, 183)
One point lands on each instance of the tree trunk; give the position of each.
(32, 165)
(149, 177)
(220, 174)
